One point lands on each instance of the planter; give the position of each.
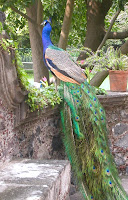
(118, 80)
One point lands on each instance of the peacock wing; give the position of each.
(60, 63)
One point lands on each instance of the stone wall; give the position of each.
(11, 98)
(116, 107)
(38, 135)
(7, 139)
(22, 133)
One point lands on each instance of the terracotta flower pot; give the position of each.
(118, 80)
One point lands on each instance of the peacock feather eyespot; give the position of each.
(88, 91)
(95, 112)
(94, 169)
(92, 197)
(101, 110)
(77, 100)
(80, 95)
(108, 172)
(78, 91)
(102, 151)
(90, 105)
(95, 119)
(102, 118)
(82, 86)
(94, 99)
(74, 93)
(77, 118)
(110, 183)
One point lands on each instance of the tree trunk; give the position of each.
(96, 13)
(124, 48)
(36, 43)
(98, 79)
(66, 24)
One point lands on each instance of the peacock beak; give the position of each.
(43, 23)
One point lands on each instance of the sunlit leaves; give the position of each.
(55, 9)
(18, 3)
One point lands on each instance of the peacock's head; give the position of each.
(45, 22)
(47, 25)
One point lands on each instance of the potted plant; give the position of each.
(115, 62)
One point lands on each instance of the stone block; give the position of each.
(124, 181)
(120, 128)
(35, 180)
(123, 142)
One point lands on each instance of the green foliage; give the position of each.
(121, 4)
(40, 98)
(78, 27)
(100, 91)
(18, 30)
(109, 60)
(20, 4)
(121, 21)
(25, 54)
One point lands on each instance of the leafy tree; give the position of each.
(34, 12)
(88, 21)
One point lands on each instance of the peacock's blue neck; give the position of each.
(46, 37)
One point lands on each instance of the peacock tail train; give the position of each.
(84, 126)
(85, 138)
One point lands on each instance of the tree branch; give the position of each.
(66, 24)
(118, 35)
(24, 15)
(99, 78)
(124, 48)
(109, 29)
(39, 15)
(39, 12)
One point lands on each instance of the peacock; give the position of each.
(84, 126)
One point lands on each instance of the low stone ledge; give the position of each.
(116, 107)
(35, 180)
(114, 99)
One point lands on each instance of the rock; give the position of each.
(72, 189)
(119, 160)
(124, 181)
(123, 142)
(77, 196)
(120, 128)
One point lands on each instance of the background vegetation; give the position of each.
(84, 23)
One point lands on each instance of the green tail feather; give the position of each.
(86, 143)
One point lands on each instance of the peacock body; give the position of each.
(84, 126)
